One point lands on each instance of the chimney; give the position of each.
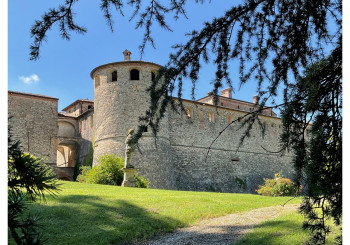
(127, 54)
(227, 93)
(255, 99)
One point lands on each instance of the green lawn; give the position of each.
(284, 230)
(100, 214)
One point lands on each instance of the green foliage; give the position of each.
(317, 98)
(28, 178)
(107, 172)
(141, 182)
(83, 173)
(88, 160)
(278, 186)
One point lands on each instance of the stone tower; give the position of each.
(120, 98)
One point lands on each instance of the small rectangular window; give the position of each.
(230, 119)
(188, 112)
(97, 81)
(211, 117)
(114, 76)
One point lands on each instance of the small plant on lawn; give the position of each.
(278, 186)
(141, 182)
(107, 172)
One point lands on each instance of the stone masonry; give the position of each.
(176, 159)
(33, 120)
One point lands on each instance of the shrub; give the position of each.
(108, 172)
(278, 186)
(83, 173)
(140, 181)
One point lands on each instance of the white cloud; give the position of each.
(34, 78)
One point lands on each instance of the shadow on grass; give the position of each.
(275, 232)
(82, 219)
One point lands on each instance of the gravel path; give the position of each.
(220, 230)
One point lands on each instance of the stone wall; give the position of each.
(229, 164)
(34, 123)
(86, 129)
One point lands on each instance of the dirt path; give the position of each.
(220, 230)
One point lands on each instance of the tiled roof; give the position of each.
(77, 101)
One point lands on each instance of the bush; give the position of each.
(140, 181)
(278, 186)
(83, 173)
(108, 172)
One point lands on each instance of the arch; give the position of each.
(114, 76)
(134, 74)
(153, 75)
(65, 129)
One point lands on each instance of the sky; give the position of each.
(63, 70)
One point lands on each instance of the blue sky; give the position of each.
(64, 67)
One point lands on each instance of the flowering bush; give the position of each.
(278, 186)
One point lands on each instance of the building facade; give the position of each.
(177, 159)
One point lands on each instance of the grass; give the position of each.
(284, 230)
(100, 214)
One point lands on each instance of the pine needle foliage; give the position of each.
(317, 99)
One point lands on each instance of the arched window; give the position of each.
(134, 74)
(114, 76)
(153, 75)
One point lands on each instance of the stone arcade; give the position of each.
(177, 162)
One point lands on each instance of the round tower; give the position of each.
(120, 98)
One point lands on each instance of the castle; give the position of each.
(177, 159)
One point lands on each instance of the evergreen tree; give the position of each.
(316, 98)
(275, 41)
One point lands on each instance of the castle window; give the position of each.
(211, 117)
(97, 81)
(134, 74)
(114, 76)
(229, 118)
(188, 112)
(89, 107)
(153, 75)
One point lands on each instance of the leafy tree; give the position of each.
(274, 41)
(28, 178)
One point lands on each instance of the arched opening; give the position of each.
(134, 74)
(114, 76)
(66, 129)
(153, 75)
